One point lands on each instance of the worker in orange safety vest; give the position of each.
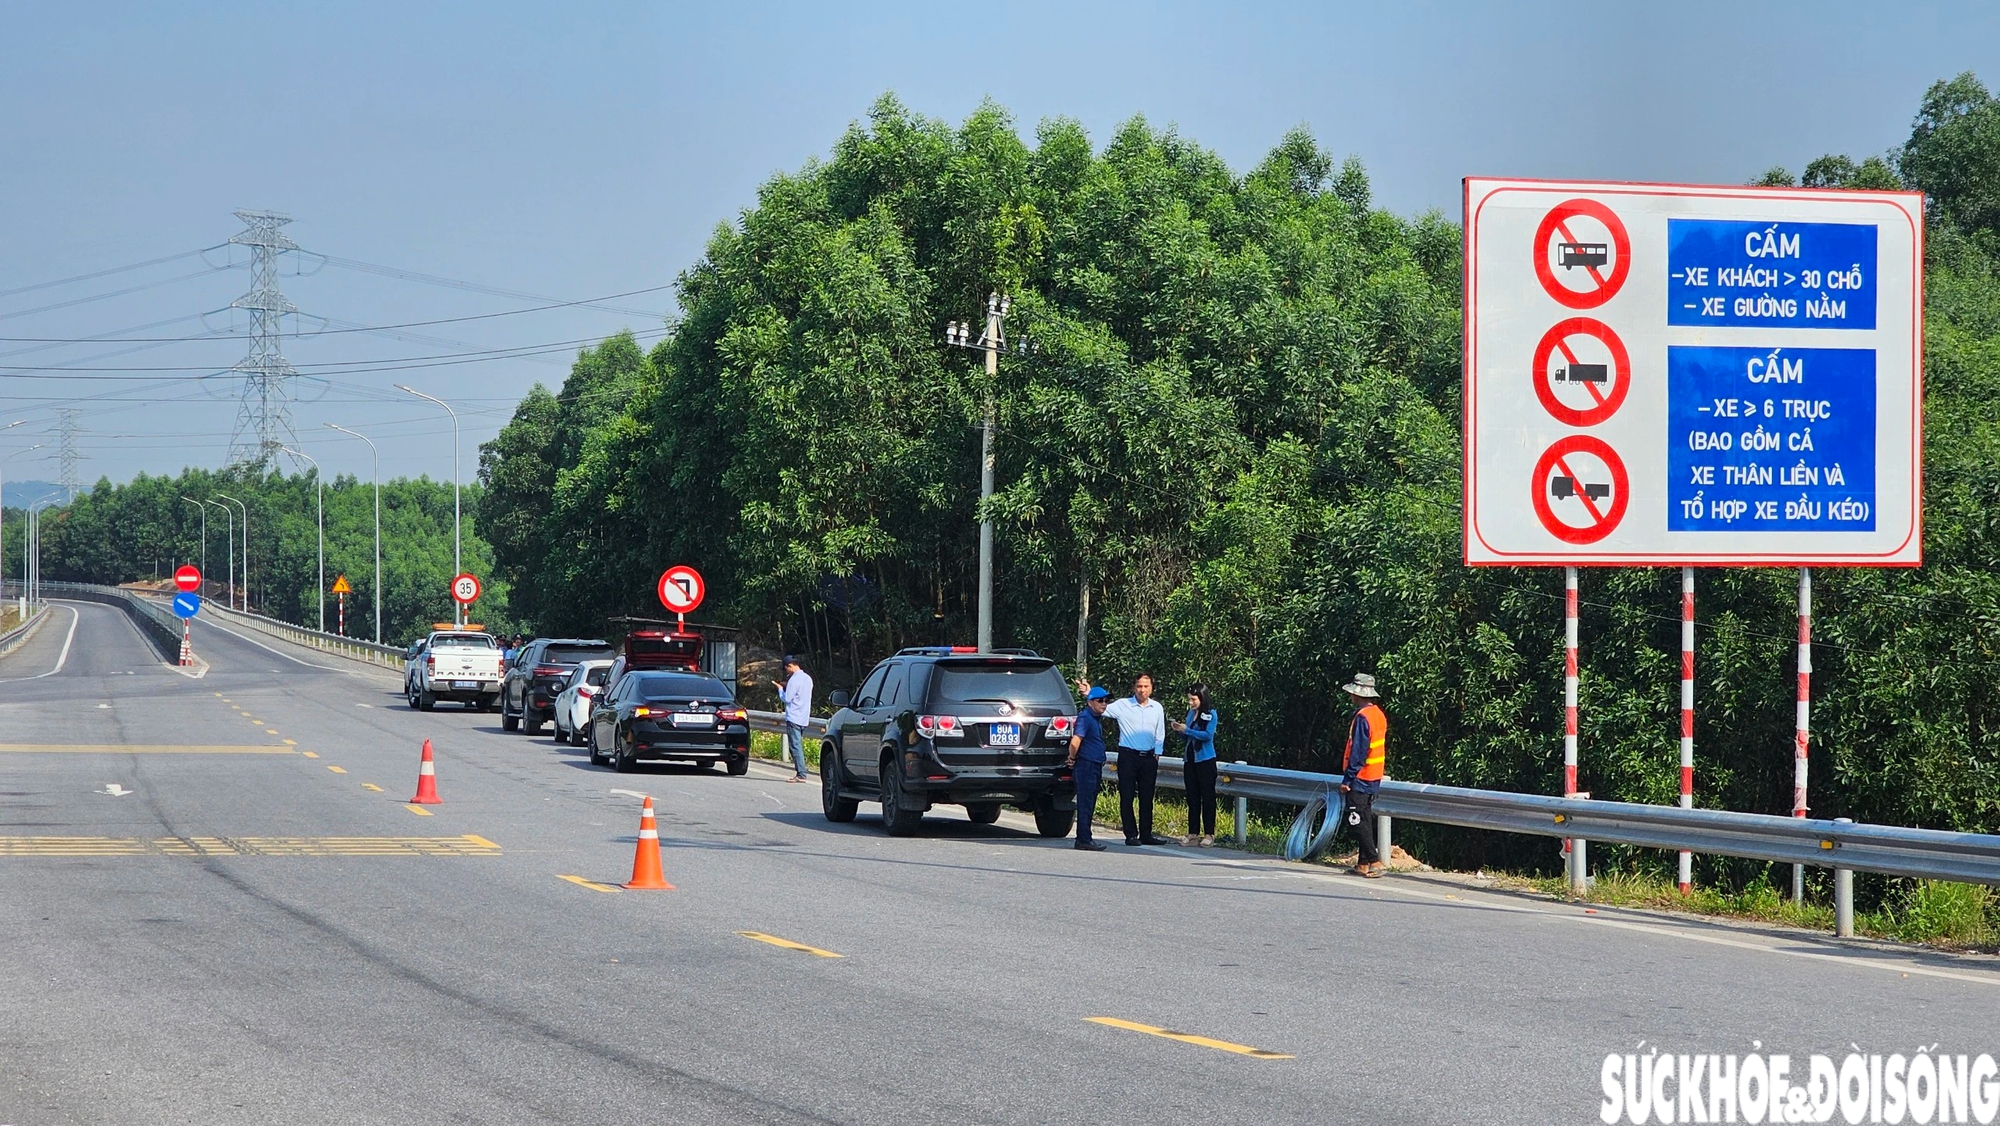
(1361, 771)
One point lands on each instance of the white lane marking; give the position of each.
(104, 707)
(774, 801)
(61, 660)
(268, 649)
(115, 790)
(632, 794)
(364, 705)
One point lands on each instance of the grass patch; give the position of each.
(1926, 912)
(771, 745)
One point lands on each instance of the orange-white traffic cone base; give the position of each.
(646, 873)
(427, 790)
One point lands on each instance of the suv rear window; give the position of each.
(663, 647)
(597, 675)
(576, 654)
(1026, 685)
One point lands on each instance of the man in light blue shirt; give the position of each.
(1142, 734)
(796, 693)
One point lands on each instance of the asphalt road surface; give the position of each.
(216, 907)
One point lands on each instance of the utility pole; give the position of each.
(264, 417)
(66, 431)
(959, 335)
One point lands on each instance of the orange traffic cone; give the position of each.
(646, 874)
(427, 787)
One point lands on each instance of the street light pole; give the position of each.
(457, 567)
(203, 509)
(319, 480)
(3, 503)
(35, 559)
(243, 596)
(378, 522)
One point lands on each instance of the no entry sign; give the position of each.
(188, 577)
(681, 589)
(1713, 375)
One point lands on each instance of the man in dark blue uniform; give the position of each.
(1086, 754)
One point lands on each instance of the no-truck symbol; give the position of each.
(1580, 489)
(1582, 371)
(1587, 242)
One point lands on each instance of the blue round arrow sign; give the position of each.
(187, 604)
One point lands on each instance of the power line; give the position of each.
(201, 273)
(106, 272)
(475, 287)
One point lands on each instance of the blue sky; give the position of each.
(577, 151)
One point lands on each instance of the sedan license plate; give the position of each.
(693, 719)
(465, 684)
(1006, 735)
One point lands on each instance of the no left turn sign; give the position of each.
(1580, 489)
(465, 589)
(1582, 371)
(1582, 253)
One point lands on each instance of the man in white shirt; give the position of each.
(1142, 735)
(796, 693)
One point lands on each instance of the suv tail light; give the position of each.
(430, 661)
(939, 727)
(550, 670)
(1062, 726)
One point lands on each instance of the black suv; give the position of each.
(530, 685)
(952, 726)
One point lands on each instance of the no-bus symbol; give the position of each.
(1582, 371)
(1586, 241)
(1580, 489)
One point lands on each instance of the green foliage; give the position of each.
(1238, 434)
(1936, 911)
(144, 529)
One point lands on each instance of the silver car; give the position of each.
(573, 703)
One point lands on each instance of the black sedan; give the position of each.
(683, 716)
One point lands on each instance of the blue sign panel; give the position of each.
(187, 604)
(1731, 274)
(1778, 439)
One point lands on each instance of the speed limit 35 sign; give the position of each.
(465, 589)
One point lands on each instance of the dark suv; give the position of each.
(529, 688)
(952, 726)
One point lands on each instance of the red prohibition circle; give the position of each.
(681, 589)
(1603, 522)
(465, 588)
(1621, 372)
(1607, 287)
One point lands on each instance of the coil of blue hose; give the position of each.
(1304, 842)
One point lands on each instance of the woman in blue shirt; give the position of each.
(1198, 761)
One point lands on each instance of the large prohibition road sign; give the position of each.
(1581, 489)
(681, 589)
(1593, 376)
(1587, 242)
(187, 577)
(465, 589)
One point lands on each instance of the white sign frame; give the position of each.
(1509, 430)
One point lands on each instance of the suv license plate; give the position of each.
(465, 684)
(1006, 735)
(693, 719)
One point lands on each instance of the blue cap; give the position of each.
(1098, 693)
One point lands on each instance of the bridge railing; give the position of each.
(353, 648)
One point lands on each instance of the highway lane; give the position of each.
(475, 984)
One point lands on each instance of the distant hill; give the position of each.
(20, 494)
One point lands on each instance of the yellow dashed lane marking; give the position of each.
(591, 884)
(420, 811)
(371, 786)
(270, 731)
(338, 769)
(137, 749)
(308, 754)
(1189, 1038)
(289, 742)
(788, 944)
(467, 845)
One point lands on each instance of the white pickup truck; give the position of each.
(454, 665)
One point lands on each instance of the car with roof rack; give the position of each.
(949, 725)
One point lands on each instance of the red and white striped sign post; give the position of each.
(1578, 868)
(1687, 713)
(1802, 734)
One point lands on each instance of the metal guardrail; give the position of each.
(156, 621)
(1841, 845)
(14, 638)
(353, 648)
